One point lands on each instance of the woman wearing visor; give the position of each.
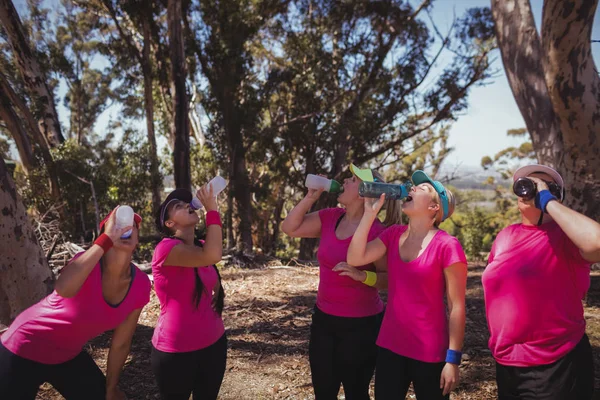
(534, 283)
(348, 312)
(417, 343)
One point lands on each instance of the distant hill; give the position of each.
(470, 177)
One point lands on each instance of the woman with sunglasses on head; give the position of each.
(348, 312)
(534, 283)
(189, 350)
(417, 343)
(99, 290)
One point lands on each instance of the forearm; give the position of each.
(295, 217)
(457, 327)
(74, 274)
(213, 244)
(358, 244)
(583, 231)
(116, 359)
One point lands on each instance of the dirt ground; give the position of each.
(267, 317)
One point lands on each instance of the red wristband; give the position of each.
(213, 218)
(105, 242)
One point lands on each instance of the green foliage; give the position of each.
(120, 175)
(300, 86)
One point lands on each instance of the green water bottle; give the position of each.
(317, 182)
(392, 191)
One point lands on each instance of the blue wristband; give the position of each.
(453, 357)
(543, 198)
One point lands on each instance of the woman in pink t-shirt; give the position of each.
(417, 343)
(536, 277)
(348, 312)
(99, 290)
(189, 346)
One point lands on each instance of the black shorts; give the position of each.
(571, 377)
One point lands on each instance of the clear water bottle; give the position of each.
(123, 218)
(317, 182)
(217, 183)
(392, 191)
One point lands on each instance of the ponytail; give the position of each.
(199, 286)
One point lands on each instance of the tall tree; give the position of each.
(180, 128)
(223, 46)
(24, 273)
(20, 136)
(522, 57)
(32, 75)
(557, 89)
(132, 19)
(32, 128)
(356, 82)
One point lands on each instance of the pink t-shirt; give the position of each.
(533, 286)
(55, 330)
(182, 327)
(339, 295)
(415, 323)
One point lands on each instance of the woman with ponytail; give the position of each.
(189, 350)
(348, 312)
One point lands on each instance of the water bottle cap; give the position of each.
(196, 204)
(335, 187)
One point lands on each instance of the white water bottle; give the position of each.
(317, 182)
(123, 218)
(218, 184)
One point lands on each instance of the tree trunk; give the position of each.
(241, 189)
(574, 88)
(24, 274)
(229, 220)
(181, 125)
(7, 91)
(274, 239)
(522, 58)
(32, 74)
(13, 124)
(149, 107)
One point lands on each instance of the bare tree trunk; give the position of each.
(241, 189)
(13, 124)
(24, 274)
(181, 125)
(229, 219)
(32, 74)
(522, 57)
(149, 107)
(274, 240)
(34, 130)
(574, 88)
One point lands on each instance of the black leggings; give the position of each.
(199, 372)
(394, 374)
(76, 379)
(571, 377)
(342, 351)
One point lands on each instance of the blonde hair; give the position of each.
(440, 213)
(393, 212)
